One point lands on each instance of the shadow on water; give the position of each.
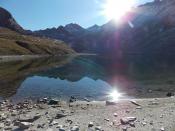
(87, 76)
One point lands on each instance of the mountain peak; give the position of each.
(94, 28)
(7, 21)
(73, 28)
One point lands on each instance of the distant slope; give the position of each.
(13, 43)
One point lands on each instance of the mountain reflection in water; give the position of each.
(86, 76)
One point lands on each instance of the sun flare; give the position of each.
(115, 95)
(115, 9)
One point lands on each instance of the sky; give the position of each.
(41, 14)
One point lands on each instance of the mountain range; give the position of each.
(148, 29)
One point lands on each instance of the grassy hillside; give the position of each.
(12, 43)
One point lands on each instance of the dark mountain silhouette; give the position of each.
(7, 21)
(148, 29)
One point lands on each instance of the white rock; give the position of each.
(162, 129)
(132, 124)
(91, 124)
(106, 119)
(161, 116)
(59, 126)
(115, 114)
(143, 123)
(54, 123)
(98, 128)
(139, 107)
(154, 103)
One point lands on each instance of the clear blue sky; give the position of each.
(41, 14)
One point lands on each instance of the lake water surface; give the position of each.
(91, 77)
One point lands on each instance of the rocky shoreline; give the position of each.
(124, 115)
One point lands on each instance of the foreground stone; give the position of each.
(23, 125)
(127, 120)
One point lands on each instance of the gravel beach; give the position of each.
(124, 115)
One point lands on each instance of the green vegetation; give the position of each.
(13, 43)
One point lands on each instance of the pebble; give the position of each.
(127, 111)
(75, 128)
(106, 119)
(24, 125)
(124, 128)
(154, 103)
(72, 99)
(86, 99)
(69, 121)
(40, 125)
(59, 126)
(169, 94)
(132, 124)
(162, 129)
(127, 120)
(134, 102)
(139, 107)
(61, 129)
(53, 102)
(54, 123)
(143, 123)
(115, 114)
(60, 115)
(98, 128)
(91, 124)
(151, 123)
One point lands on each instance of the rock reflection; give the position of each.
(13, 73)
(133, 76)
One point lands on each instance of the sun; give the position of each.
(115, 9)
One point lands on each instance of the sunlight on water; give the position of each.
(115, 95)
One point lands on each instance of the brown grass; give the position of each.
(12, 43)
